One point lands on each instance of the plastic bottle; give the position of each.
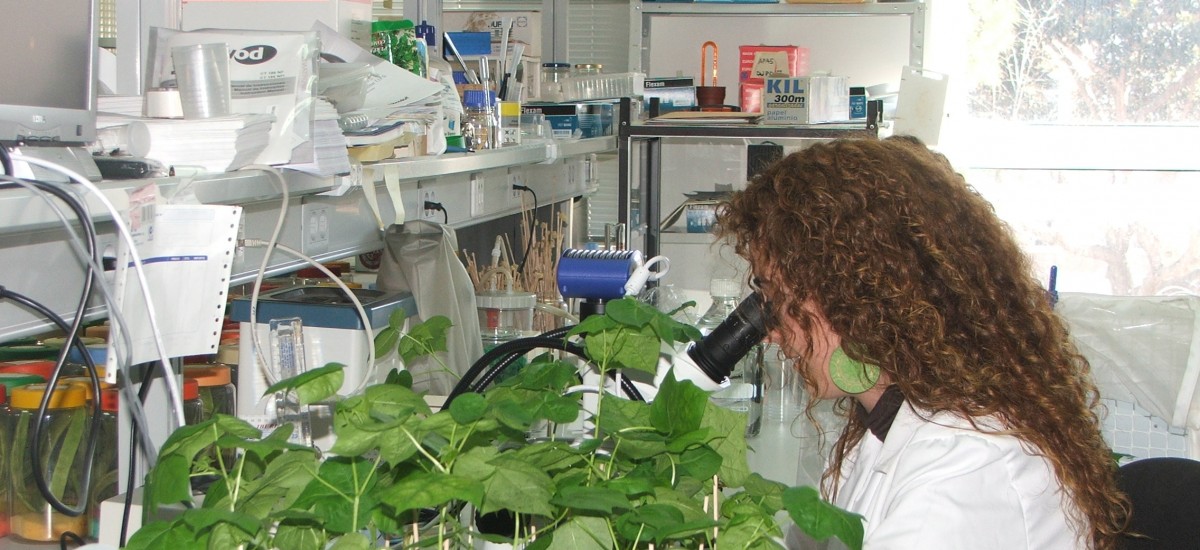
(441, 71)
(745, 390)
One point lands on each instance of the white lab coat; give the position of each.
(937, 483)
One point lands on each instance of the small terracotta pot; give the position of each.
(710, 95)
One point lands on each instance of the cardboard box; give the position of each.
(526, 28)
(806, 100)
(755, 63)
(673, 93)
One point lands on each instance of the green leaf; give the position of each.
(518, 487)
(631, 486)
(399, 377)
(200, 519)
(596, 499)
(593, 325)
(299, 537)
(425, 338)
(351, 541)
(397, 318)
(395, 401)
(679, 406)
(700, 462)
(583, 533)
(386, 341)
(630, 312)
(767, 493)
(645, 521)
(821, 520)
(276, 441)
(163, 534)
(341, 493)
(169, 481)
(624, 347)
(468, 407)
(430, 490)
(729, 440)
(314, 385)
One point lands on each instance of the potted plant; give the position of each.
(670, 473)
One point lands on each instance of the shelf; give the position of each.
(782, 8)
(752, 131)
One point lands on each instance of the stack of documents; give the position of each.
(328, 145)
(213, 144)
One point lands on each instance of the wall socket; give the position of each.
(432, 214)
(477, 194)
(314, 237)
(514, 178)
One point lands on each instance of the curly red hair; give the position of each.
(916, 273)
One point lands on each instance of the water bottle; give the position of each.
(745, 390)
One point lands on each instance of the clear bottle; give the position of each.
(63, 438)
(216, 390)
(479, 119)
(553, 75)
(745, 391)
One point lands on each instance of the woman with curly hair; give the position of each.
(971, 417)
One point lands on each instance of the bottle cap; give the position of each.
(208, 376)
(64, 396)
(478, 99)
(110, 399)
(426, 31)
(14, 380)
(191, 389)
(725, 288)
(42, 369)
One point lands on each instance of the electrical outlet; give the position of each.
(314, 236)
(427, 195)
(514, 178)
(477, 194)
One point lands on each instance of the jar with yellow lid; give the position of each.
(4, 436)
(105, 476)
(216, 388)
(62, 448)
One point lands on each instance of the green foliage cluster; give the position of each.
(644, 473)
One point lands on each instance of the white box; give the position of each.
(806, 100)
(275, 15)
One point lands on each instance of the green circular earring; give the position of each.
(851, 376)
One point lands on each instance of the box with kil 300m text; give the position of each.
(806, 100)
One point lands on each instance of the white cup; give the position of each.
(202, 73)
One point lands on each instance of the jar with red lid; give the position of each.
(216, 389)
(193, 406)
(61, 453)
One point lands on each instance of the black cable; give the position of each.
(522, 345)
(529, 241)
(6, 161)
(430, 205)
(68, 536)
(35, 443)
(72, 339)
(135, 442)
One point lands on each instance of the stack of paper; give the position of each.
(213, 144)
(328, 145)
(130, 105)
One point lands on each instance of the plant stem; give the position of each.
(422, 450)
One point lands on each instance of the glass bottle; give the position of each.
(553, 75)
(4, 436)
(105, 475)
(215, 387)
(479, 119)
(744, 393)
(64, 433)
(193, 406)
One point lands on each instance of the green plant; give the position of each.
(672, 472)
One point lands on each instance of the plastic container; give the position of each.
(745, 391)
(583, 69)
(505, 312)
(215, 383)
(64, 431)
(479, 119)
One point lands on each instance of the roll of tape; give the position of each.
(163, 104)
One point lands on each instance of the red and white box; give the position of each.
(755, 63)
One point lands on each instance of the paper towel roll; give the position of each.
(163, 104)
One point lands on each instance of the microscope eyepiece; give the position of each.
(719, 351)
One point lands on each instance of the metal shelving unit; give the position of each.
(643, 141)
(34, 245)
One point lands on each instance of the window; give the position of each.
(1081, 118)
